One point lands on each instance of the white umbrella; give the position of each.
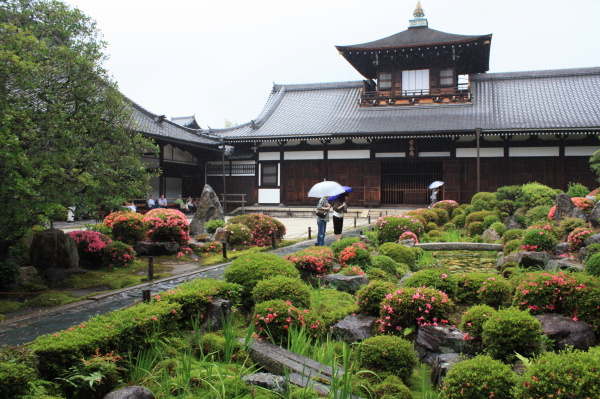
(436, 184)
(326, 189)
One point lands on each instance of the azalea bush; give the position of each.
(447, 205)
(355, 255)
(472, 321)
(370, 296)
(352, 271)
(118, 254)
(411, 307)
(238, 234)
(389, 228)
(478, 378)
(577, 237)
(167, 225)
(408, 235)
(274, 319)
(434, 278)
(126, 226)
(538, 240)
(262, 228)
(542, 292)
(388, 354)
(286, 288)
(315, 260)
(495, 292)
(212, 247)
(90, 246)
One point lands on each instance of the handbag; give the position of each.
(320, 213)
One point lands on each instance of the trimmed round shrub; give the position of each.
(338, 246)
(425, 215)
(238, 234)
(442, 215)
(249, 269)
(355, 255)
(537, 214)
(411, 307)
(212, 225)
(447, 205)
(275, 318)
(126, 226)
(285, 288)
(478, 216)
(582, 301)
(538, 240)
(430, 226)
(513, 246)
(513, 234)
(490, 220)
(118, 254)
(577, 237)
(468, 284)
(398, 252)
(495, 292)
(485, 196)
(535, 194)
(390, 227)
(511, 331)
(315, 260)
(478, 378)
(459, 220)
(167, 225)
(391, 387)
(386, 353)
(434, 278)
(499, 228)
(567, 225)
(473, 319)
(90, 247)
(475, 228)
(262, 228)
(370, 296)
(577, 190)
(15, 379)
(542, 292)
(592, 265)
(590, 250)
(387, 264)
(568, 374)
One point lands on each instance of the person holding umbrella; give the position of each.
(434, 192)
(339, 206)
(323, 208)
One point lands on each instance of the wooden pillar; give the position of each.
(478, 136)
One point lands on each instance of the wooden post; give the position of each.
(354, 221)
(274, 240)
(146, 295)
(224, 244)
(478, 136)
(369, 219)
(150, 268)
(309, 231)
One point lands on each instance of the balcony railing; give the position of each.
(459, 93)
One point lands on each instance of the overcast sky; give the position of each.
(218, 59)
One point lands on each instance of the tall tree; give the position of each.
(65, 130)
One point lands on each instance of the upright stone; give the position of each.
(594, 217)
(53, 249)
(565, 208)
(209, 208)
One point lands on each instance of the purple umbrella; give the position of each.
(346, 189)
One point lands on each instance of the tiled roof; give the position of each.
(413, 37)
(535, 100)
(157, 126)
(186, 121)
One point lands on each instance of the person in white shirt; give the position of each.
(151, 202)
(162, 202)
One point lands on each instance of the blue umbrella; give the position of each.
(346, 189)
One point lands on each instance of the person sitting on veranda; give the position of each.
(190, 204)
(182, 205)
(131, 206)
(162, 201)
(151, 202)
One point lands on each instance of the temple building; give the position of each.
(426, 110)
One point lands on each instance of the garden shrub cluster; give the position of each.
(96, 249)
(355, 255)
(167, 225)
(388, 354)
(370, 296)
(275, 318)
(285, 288)
(478, 378)
(411, 307)
(439, 279)
(389, 228)
(126, 226)
(314, 261)
(238, 234)
(262, 228)
(248, 270)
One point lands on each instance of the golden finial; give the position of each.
(419, 13)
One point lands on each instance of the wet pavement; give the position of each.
(25, 328)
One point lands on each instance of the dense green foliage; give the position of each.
(370, 296)
(480, 377)
(64, 127)
(281, 287)
(389, 354)
(441, 280)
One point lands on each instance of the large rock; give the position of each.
(349, 284)
(565, 208)
(567, 332)
(354, 328)
(594, 216)
(131, 392)
(513, 224)
(150, 248)
(53, 249)
(442, 364)
(491, 235)
(268, 381)
(219, 310)
(209, 208)
(593, 239)
(526, 259)
(434, 340)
